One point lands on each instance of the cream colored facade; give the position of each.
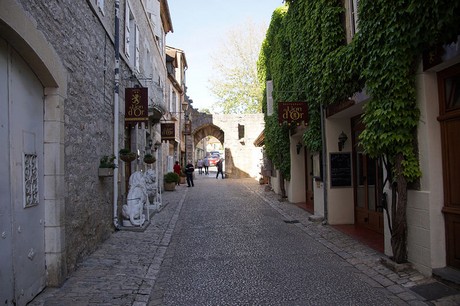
(427, 244)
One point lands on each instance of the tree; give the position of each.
(235, 84)
(205, 110)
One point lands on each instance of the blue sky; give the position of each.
(199, 28)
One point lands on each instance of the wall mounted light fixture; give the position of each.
(157, 145)
(342, 138)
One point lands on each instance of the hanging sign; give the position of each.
(293, 113)
(168, 131)
(136, 105)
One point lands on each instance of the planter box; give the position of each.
(127, 158)
(182, 180)
(103, 172)
(170, 186)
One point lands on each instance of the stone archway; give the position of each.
(237, 133)
(208, 130)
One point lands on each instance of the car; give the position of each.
(213, 159)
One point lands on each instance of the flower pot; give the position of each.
(103, 172)
(150, 160)
(128, 157)
(170, 186)
(182, 180)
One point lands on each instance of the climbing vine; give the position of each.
(306, 56)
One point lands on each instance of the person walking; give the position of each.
(199, 164)
(189, 169)
(220, 167)
(206, 165)
(177, 168)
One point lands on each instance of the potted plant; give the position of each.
(171, 180)
(182, 177)
(127, 156)
(149, 159)
(106, 165)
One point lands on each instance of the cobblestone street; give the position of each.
(227, 242)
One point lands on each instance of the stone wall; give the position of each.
(83, 39)
(87, 53)
(242, 157)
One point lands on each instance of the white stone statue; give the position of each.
(137, 198)
(152, 189)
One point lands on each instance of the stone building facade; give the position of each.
(237, 133)
(58, 61)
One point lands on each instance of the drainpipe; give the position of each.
(324, 164)
(116, 113)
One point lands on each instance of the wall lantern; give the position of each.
(342, 138)
(299, 147)
(157, 145)
(148, 144)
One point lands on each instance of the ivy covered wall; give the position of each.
(306, 56)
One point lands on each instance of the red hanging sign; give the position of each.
(168, 131)
(136, 105)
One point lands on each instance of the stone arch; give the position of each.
(208, 129)
(22, 34)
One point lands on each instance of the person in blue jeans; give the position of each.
(220, 167)
(206, 165)
(189, 169)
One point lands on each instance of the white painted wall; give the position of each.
(426, 233)
(339, 199)
(296, 191)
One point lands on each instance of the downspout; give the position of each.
(324, 165)
(116, 113)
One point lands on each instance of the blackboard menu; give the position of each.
(340, 170)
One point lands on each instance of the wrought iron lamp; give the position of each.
(342, 139)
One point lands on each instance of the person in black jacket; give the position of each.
(189, 169)
(220, 168)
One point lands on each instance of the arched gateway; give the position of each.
(237, 134)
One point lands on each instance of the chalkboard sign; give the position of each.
(340, 170)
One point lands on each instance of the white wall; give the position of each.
(426, 233)
(297, 190)
(340, 204)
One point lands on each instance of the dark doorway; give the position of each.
(367, 178)
(449, 118)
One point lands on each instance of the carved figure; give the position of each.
(137, 198)
(150, 182)
(152, 189)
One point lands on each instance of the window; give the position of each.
(128, 17)
(100, 5)
(452, 92)
(240, 131)
(137, 50)
(353, 16)
(132, 39)
(269, 98)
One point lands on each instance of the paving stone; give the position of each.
(119, 273)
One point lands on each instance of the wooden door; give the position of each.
(449, 99)
(22, 209)
(367, 187)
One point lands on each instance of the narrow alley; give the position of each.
(230, 242)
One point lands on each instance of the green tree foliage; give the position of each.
(235, 82)
(306, 56)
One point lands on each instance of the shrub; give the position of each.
(171, 177)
